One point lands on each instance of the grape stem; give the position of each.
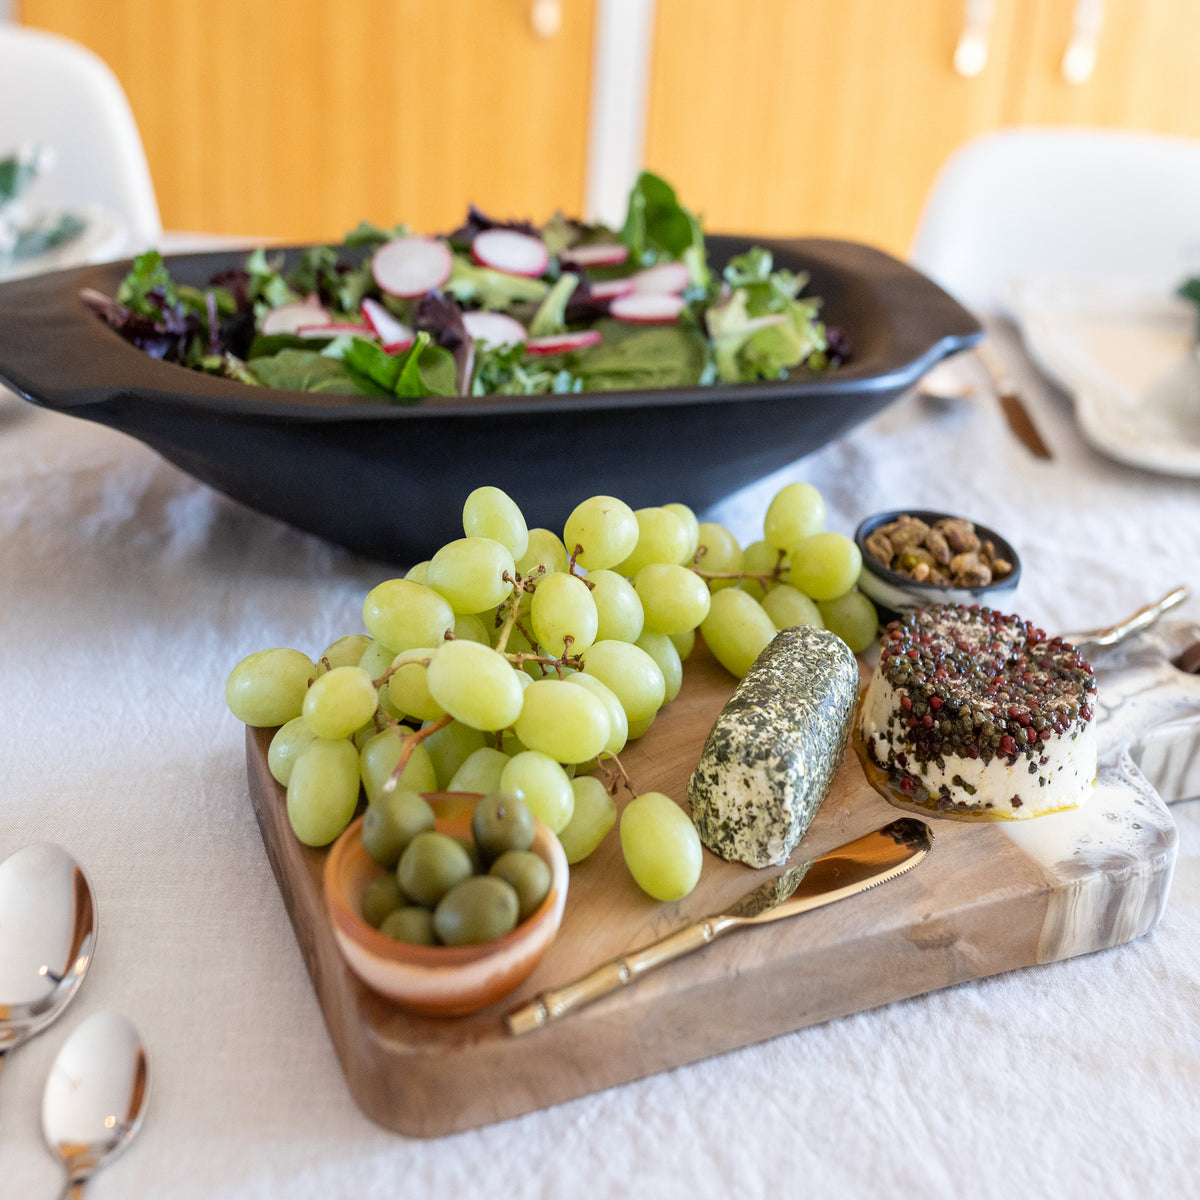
(622, 776)
(764, 577)
(521, 584)
(411, 742)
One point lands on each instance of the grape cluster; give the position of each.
(520, 662)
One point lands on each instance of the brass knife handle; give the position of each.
(614, 975)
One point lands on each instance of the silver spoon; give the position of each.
(95, 1096)
(47, 938)
(1113, 635)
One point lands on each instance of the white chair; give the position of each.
(1029, 203)
(56, 93)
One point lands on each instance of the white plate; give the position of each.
(104, 236)
(1126, 351)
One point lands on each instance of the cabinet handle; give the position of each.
(1079, 59)
(971, 53)
(546, 17)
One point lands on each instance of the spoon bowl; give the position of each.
(48, 930)
(95, 1096)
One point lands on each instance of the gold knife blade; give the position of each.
(845, 871)
(1011, 402)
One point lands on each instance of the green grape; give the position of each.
(684, 643)
(787, 607)
(661, 846)
(545, 550)
(692, 526)
(640, 727)
(339, 702)
(480, 771)
(718, 553)
(853, 618)
(529, 875)
(737, 630)
(674, 598)
(660, 648)
(796, 512)
(403, 614)
(619, 615)
(476, 685)
(322, 792)
(448, 749)
(563, 606)
(594, 815)
(825, 565)
(432, 863)
(544, 786)
(290, 741)
(491, 513)
(663, 537)
(605, 528)
(267, 687)
(411, 924)
(470, 572)
(471, 627)
(344, 652)
(566, 722)
(380, 897)
(376, 659)
(378, 759)
(386, 707)
(759, 558)
(617, 720)
(417, 572)
(391, 821)
(631, 674)
(408, 684)
(477, 910)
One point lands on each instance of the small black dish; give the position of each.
(389, 481)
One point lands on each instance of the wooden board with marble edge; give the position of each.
(989, 898)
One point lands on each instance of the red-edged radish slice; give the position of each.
(560, 343)
(400, 346)
(596, 254)
(610, 289)
(493, 328)
(511, 252)
(389, 330)
(411, 266)
(332, 329)
(647, 308)
(662, 278)
(287, 318)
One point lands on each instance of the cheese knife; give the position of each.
(1011, 403)
(863, 863)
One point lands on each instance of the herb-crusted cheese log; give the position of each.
(772, 753)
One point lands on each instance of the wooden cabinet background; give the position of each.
(770, 116)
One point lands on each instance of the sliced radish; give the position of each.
(662, 278)
(610, 289)
(560, 343)
(411, 266)
(389, 330)
(332, 329)
(647, 308)
(400, 346)
(287, 318)
(493, 328)
(511, 252)
(596, 254)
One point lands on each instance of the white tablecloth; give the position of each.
(128, 591)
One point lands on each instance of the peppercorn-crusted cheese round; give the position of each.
(771, 755)
(976, 713)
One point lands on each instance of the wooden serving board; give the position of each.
(990, 897)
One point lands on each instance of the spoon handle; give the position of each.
(1142, 619)
(73, 1189)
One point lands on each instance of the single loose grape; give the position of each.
(402, 614)
(411, 924)
(391, 821)
(492, 513)
(853, 618)
(545, 550)
(476, 910)
(567, 723)
(339, 702)
(529, 875)
(480, 771)
(408, 684)
(606, 530)
(267, 687)
(718, 553)
(432, 863)
(631, 674)
(379, 757)
(663, 537)
(323, 790)
(470, 573)
(661, 846)
(787, 607)
(796, 512)
(449, 747)
(475, 685)
(825, 565)
(380, 897)
(290, 741)
(594, 815)
(690, 524)
(674, 598)
(660, 648)
(562, 607)
(618, 721)
(619, 615)
(737, 630)
(544, 786)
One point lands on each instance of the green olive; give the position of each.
(476, 910)
(529, 875)
(380, 897)
(432, 863)
(391, 822)
(499, 823)
(410, 924)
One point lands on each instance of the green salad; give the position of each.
(492, 308)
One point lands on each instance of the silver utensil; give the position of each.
(1111, 635)
(852, 868)
(95, 1096)
(47, 938)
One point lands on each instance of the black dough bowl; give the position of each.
(389, 481)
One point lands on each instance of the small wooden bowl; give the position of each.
(439, 981)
